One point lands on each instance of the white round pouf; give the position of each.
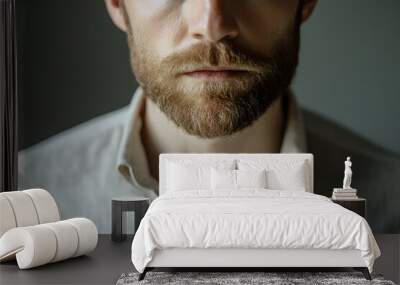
(33, 246)
(31, 233)
(67, 240)
(45, 205)
(40, 244)
(7, 216)
(87, 233)
(23, 208)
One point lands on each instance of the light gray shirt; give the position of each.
(84, 167)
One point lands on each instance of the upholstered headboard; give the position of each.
(213, 157)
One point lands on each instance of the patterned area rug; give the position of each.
(244, 278)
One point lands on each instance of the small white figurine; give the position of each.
(347, 174)
(347, 192)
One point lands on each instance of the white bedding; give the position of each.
(251, 218)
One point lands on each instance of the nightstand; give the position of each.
(357, 205)
(119, 205)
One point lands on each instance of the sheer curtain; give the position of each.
(8, 97)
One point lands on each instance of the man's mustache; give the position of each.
(219, 55)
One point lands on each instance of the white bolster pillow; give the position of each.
(7, 218)
(40, 244)
(45, 205)
(24, 212)
(26, 208)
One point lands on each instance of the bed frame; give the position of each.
(250, 258)
(246, 259)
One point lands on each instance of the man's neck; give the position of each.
(161, 135)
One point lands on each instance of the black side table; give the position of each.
(119, 205)
(357, 205)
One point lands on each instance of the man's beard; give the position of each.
(212, 108)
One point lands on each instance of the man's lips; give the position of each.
(217, 73)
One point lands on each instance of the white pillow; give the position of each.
(236, 179)
(251, 178)
(182, 177)
(281, 174)
(193, 174)
(223, 179)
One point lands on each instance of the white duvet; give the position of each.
(251, 218)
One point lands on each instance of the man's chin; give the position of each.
(210, 109)
(223, 89)
(208, 116)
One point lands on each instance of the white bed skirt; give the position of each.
(193, 257)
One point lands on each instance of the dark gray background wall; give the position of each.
(74, 66)
(350, 67)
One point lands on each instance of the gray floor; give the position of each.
(109, 260)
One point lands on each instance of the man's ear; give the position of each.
(308, 8)
(115, 10)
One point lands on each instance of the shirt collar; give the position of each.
(132, 161)
(294, 137)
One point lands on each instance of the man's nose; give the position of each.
(211, 20)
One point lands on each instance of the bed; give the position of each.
(247, 211)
